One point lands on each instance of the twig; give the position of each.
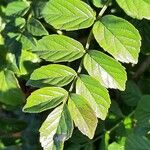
(87, 46)
(145, 64)
(103, 9)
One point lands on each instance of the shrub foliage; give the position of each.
(69, 59)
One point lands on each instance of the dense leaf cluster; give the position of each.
(68, 61)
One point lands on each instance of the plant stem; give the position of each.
(145, 64)
(103, 9)
(87, 46)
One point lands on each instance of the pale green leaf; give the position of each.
(95, 94)
(136, 8)
(28, 62)
(118, 37)
(36, 28)
(68, 14)
(82, 114)
(44, 99)
(20, 22)
(105, 69)
(116, 146)
(10, 91)
(52, 75)
(142, 113)
(56, 129)
(59, 48)
(17, 8)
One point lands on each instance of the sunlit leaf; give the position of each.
(52, 75)
(105, 69)
(56, 129)
(68, 14)
(45, 98)
(118, 37)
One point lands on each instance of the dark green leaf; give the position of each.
(132, 94)
(142, 113)
(9, 125)
(36, 28)
(136, 142)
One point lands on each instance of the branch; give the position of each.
(145, 64)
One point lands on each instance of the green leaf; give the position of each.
(132, 94)
(44, 99)
(52, 75)
(144, 29)
(56, 129)
(95, 94)
(105, 69)
(27, 64)
(17, 8)
(118, 37)
(82, 114)
(20, 22)
(116, 146)
(137, 9)
(36, 28)
(59, 48)
(136, 142)
(11, 125)
(99, 3)
(68, 14)
(28, 41)
(115, 109)
(142, 113)
(10, 92)
(38, 7)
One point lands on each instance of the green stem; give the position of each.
(87, 46)
(103, 9)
